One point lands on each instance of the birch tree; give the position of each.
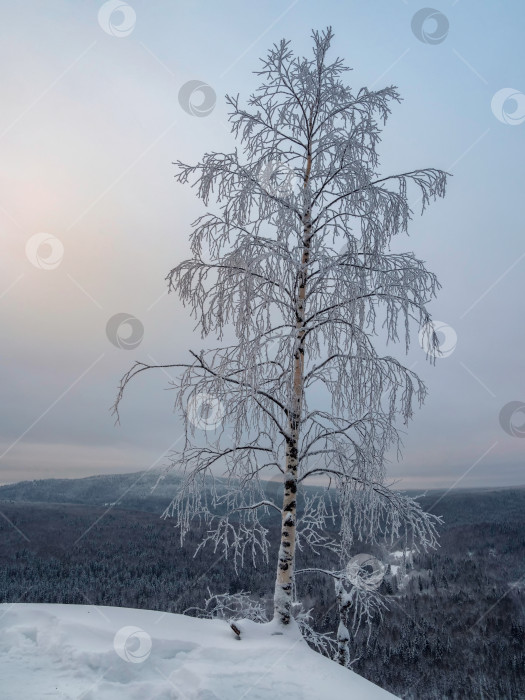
(292, 276)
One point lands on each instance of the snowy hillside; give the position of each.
(105, 653)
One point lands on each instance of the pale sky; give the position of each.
(89, 128)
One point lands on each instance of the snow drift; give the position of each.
(105, 653)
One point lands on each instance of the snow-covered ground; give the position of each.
(104, 653)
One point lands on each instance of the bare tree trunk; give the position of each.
(283, 596)
(343, 645)
(343, 635)
(286, 561)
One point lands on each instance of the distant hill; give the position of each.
(135, 491)
(469, 507)
(141, 491)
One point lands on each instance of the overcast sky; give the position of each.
(90, 125)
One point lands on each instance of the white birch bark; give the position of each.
(286, 559)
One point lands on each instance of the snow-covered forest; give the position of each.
(426, 646)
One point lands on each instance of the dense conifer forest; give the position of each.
(455, 624)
